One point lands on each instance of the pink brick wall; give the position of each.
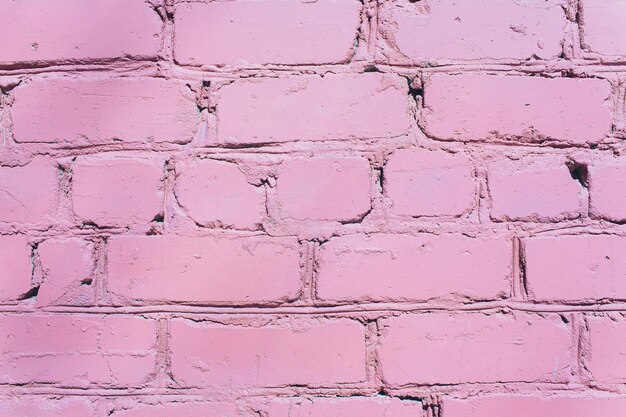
(330, 208)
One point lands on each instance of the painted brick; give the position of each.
(248, 32)
(307, 353)
(603, 26)
(576, 267)
(15, 267)
(324, 189)
(534, 189)
(429, 183)
(607, 348)
(117, 190)
(71, 30)
(468, 348)
(607, 189)
(313, 108)
(68, 267)
(77, 351)
(344, 407)
(103, 110)
(445, 30)
(545, 406)
(180, 409)
(28, 192)
(385, 267)
(206, 269)
(527, 109)
(216, 192)
(22, 406)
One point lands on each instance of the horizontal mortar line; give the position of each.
(295, 390)
(230, 72)
(486, 306)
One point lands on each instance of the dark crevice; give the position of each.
(159, 218)
(32, 293)
(579, 172)
(86, 281)
(371, 68)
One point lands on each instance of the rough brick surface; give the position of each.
(320, 354)
(312, 208)
(93, 111)
(313, 108)
(249, 32)
(324, 189)
(396, 267)
(452, 349)
(468, 31)
(207, 270)
(519, 108)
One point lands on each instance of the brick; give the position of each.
(385, 267)
(574, 405)
(313, 108)
(102, 111)
(71, 30)
(180, 409)
(324, 189)
(23, 406)
(28, 193)
(534, 189)
(429, 183)
(15, 267)
(216, 192)
(527, 109)
(605, 355)
(344, 407)
(312, 353)
(480, 30)
(77, 351)
(607, 189)
(117, 190)
(575, 267)
(68, 267)
(206, 269)
(602, 26)
(474, 348)
(249, 32)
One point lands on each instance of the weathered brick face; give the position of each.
(315, 208)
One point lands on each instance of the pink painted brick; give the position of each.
(313, 108)
(89, 111)
(570, 405)
(383, 267)
(68, 267)
(602, 26)
(216, 192)
(468, 348)
(180, 409)
(608, 347)
(312, 353)
(607, 189)
(429, 183)
(23, 406)
(345, 407)
(69, 30)
(204, 269)
(324, 189)
(534, 188)
(487, 107)
(28, 194)
(445, 30)
(576, 267)
(77, 351)
(248, 32)
(114, 190)
(15, 267)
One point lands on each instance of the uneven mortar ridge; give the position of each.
(312, 208)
